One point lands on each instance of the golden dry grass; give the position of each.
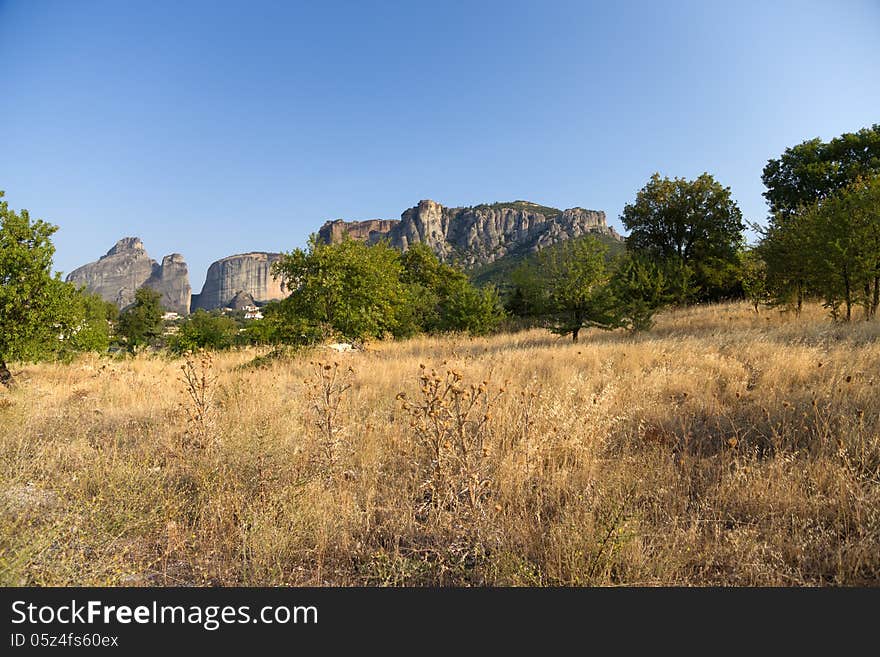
(721, 448)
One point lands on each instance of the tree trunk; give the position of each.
(5, 375)
(848, 290)
(574, 334)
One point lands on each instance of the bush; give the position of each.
(204, 330)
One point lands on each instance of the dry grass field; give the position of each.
(721, 448)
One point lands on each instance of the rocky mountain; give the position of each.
(487, 239)
(126, 267)
(478, 235)
(248, 273)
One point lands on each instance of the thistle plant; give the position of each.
(451, 422)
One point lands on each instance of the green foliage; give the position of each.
(639, 288)
(141, 323)
(442, 297)
(88, 322)
(41, 317)
(813, 170)
(464, 307)
(348, 289)
(569, 287)
(575, 285)
(355, 291)
(204, 330)
(502, 272)
(694, 223)
(27, 288)
(753, 277)
(33, 303)
(831, 249)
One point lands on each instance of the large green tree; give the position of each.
(813, 170)
(695, 224)
(31, 299)
(348, 289)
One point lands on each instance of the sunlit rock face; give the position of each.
(117, 276)
(248, 273)
(474, 235)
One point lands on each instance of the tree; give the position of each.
(639, 288)
(829, 248)
(86, 324)
(30, 296)
(813, 170)
(753, 277)
(693, 222)
(785, 252)
(349, 289)
(573, 281)
(465, 307)
(204, 330)
(443, 298)
(141, 322)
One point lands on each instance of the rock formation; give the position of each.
(248, 273)
(475, 235)
(468, 236)
(371, 229)
(171, 279)
(241, 300)
(126, 267)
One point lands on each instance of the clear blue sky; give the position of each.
(212, 128)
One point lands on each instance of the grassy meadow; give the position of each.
(723, 447)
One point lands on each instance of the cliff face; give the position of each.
(365, 231)
(126, 267)
(475, 235)
(171, 279)
(248, 272)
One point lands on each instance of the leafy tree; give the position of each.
(573, 281)
(348, 288)
(464, 307)
(31, 298)
(753, 277)
(813, 170)
(693, 222)
(141, 323)
(443, 298)
(831, 249)
(785, 252)
(204, 330)
(639, 288)
(87, 325)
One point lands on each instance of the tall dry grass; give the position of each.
(722, 448)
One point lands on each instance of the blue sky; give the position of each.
(212, 128)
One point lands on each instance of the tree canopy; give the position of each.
(693, 222)
(813, 170)
(40, 315)
(831, 249)
(357, 291)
